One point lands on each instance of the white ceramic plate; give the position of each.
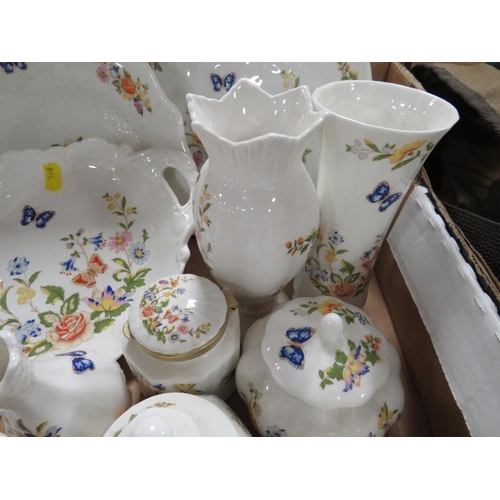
(81, 228)
(44, 104)
(213, 79)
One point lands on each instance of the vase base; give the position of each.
(252, 310)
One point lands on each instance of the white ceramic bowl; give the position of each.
(82, 228)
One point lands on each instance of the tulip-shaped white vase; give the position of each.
(255, 206)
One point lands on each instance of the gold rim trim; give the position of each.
(232, 305)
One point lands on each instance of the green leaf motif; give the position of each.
(335, 372)
(54, 293)
(70, 305)
(34, 276)
(351, 345)
(341, 357)
(381, 157)
(403, 163)
(101, 325)
(48, 318)
(372, 145)
(40, 347)
(347, 267)
(3, 299)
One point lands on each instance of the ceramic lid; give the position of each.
(326, 352)
(173, 415)
(179, 317)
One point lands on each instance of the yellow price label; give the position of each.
(53, 176)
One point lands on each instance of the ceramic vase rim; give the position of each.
(454, 115)
(191, 99)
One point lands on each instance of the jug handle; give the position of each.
(181, 188)
(14, 355)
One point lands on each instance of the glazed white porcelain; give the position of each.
(255, 207)
(72, 394)
(56, 103)
(375, 140)
(183, 335)
(215, 79)
(178, 415)
(83, 227)
(319, 367)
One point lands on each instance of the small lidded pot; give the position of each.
(183, 335)
(319, 367)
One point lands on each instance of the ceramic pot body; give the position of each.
(256, 209)
(352, 391)
(211, 373)
(183, 335)
(77, 393)
(375, 140)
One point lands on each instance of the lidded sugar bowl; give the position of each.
(183, 335)
(318, 366)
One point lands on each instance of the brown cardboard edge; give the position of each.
(443, 415)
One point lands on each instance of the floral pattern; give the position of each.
(301, 244)
(202, 223)
(18, 429)
(164, 322)
(347, 72)
(385, 417)
(350, 366)
(130, 89)
(290, 79)
(186, 388)
(398, 157)
(343, 277)
(70, 319)
(275, 431)
(252, 402)
(331, 306)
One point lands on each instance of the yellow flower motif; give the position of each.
(330, 256)
(328, 306)
(207, 196)
(400, 153)
(130, 210)
(167, 294)
(109, 198)
(25, 294)
(117, 195)
(111, 206)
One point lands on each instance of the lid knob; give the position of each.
(330, 330)
(152, 426)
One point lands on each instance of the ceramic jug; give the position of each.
(73, 393)
(376, 137)
(255, 206)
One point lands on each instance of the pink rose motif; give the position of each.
(71, 326)
(182, 328)
(102, 74)
(147, 311)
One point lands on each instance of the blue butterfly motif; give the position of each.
(293, 353)
(9, 66)
(382, 194)
(80, 364)
(41, 219)
(217, 81)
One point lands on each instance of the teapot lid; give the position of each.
(173, 415)
(326, 352)
(179, 317)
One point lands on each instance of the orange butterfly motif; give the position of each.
(87, 278)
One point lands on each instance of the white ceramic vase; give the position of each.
(376, 138)
(255, 206)
(71, 394)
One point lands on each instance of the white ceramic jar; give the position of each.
(319, 367)
(183, 335)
